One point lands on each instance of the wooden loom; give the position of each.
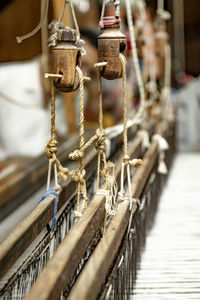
(84, 233)
(78, 258)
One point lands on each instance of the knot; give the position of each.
(135, 162)
(108, 165)
(99, 143)
(77, 214)
(122, 197)
(51, 149)
(126, 159)
(164, 14)
(76, 154)
(53, 36)
(78, 175)
(145, 138)
(162, 143)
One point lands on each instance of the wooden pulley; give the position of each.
(66, 56)
(111, 43)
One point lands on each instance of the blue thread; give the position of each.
(52, 192)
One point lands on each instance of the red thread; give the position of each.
(108, 22)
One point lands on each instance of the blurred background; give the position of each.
(25, 93)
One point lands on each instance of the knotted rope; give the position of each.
(109, 185)
(127, 162)
(51, 146)
(79, 175)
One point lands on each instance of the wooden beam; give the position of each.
(88, 284)
(68, 255)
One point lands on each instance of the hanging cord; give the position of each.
(55, 26)
(51, 146)
(109, 186)
(126, 159)
(100, 146)
(38, 27)
(141, 109)
(77, 175)
(81, 189)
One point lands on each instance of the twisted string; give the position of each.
(51, 146)
(81, 189)
(126, 159)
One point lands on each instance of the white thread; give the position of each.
(120, 262)
(162, 143)
(108, 292)
(145, 138)
(77, 214)
(49, 174)
(111, 197)
(108, 147)
(129, 185)
(163, 146)
(121, 194)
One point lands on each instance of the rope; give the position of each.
(135, 60)
(81, 189)
(51, 146)
(126, 159)
(123, 61)
(162, 146)
(38, 27)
